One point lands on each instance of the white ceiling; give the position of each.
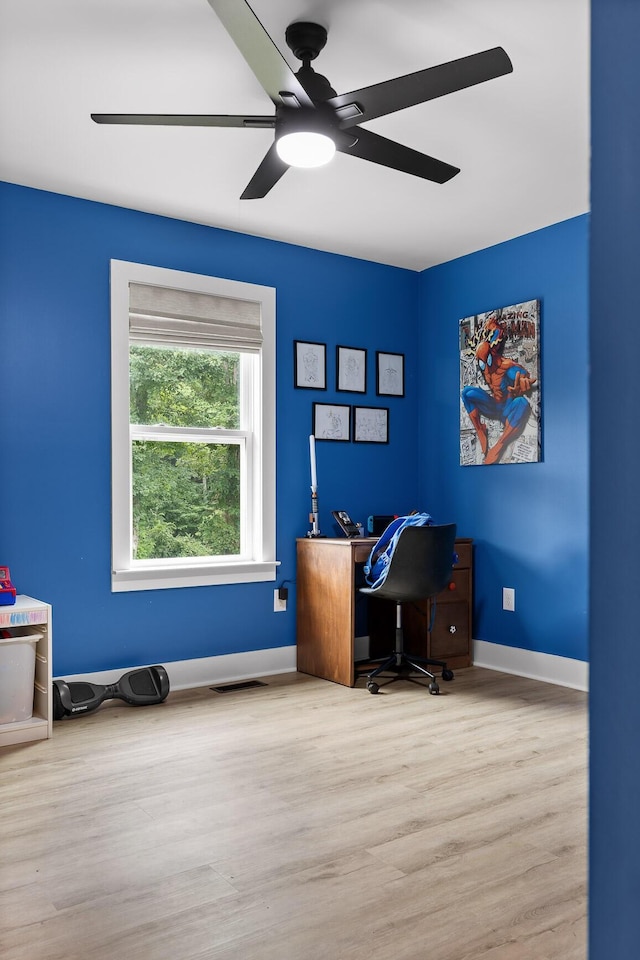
(522, 140)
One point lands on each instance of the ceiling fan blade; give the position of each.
(261, 53)
(266, 176)
(382, 98)
(388, 153)
(183, 120)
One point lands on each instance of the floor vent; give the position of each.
(243, 685)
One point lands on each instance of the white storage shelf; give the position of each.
(27, 612)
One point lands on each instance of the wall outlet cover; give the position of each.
(509, 599)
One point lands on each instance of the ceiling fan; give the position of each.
(311, 117)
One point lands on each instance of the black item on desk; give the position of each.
(377, 524)
(140, 688)
(420, 568)
(346, 524)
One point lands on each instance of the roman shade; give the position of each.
(166, 316)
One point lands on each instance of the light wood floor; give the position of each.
(303, 820)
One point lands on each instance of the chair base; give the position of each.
(402, 666)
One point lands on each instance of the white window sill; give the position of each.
(163, 578)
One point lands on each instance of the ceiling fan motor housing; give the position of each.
(322, 120)
(317, 86)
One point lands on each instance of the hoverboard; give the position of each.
(140, 688)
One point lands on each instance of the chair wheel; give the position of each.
(447, 674)
(434, 688)
(372, 686)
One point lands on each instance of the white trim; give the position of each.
(211, 671)
(563, 671)
(234, 667)
(259, 512)
(157, 578)
(142, 431)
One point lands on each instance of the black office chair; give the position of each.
(420, 568)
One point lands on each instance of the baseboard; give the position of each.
(211, 671)
(563, 671)
(233, 667)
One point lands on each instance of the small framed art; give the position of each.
(371, 425)
(389, 374)
(309, 365)
(351, 367)
(331, 421)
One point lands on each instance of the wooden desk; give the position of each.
(327, 571)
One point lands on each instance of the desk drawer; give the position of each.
(459, 590)
(362, 549)
(450, 633)
(464, 554)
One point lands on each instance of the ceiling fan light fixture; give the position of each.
(305, 148)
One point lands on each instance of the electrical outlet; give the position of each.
(279, 606)
(509, 599)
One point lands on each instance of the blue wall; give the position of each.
(528, 521)
(55, 468)
(615, 467)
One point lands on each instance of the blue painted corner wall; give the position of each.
(529, 521)
(55, 465)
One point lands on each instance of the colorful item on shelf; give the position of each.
(7, 589)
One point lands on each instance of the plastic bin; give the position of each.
(17, 674)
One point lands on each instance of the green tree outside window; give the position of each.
(186, 496)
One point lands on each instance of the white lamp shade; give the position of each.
(305, 149)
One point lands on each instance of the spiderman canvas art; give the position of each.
(500, 386)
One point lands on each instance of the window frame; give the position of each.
(258, 562)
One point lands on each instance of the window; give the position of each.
(193, 429)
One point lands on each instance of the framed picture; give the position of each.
(309, 365)
(351, 369)
(389, 374)
(331, 421)
(500, 388)
(371, 425)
